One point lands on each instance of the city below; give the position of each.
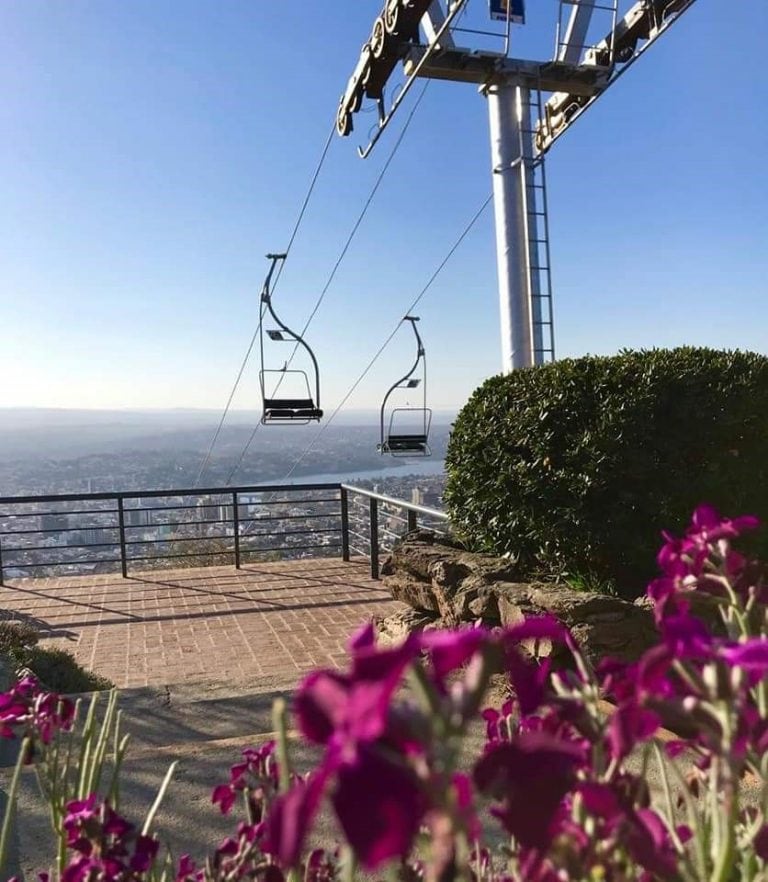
(134, 456)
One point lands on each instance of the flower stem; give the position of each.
(12, 793)
(279, 720)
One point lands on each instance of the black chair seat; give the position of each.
(293, 413)
(289, 404)
(407, 442)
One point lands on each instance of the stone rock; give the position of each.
(396, 627)
(602, 625)
(435, 576)
(416, 593)
(440, 580)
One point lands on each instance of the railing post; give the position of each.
(412, 521)
(344, 525)
(1, 563)
(374, 510)
(121, 526)
(236, 525)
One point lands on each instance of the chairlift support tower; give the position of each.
(523, 125)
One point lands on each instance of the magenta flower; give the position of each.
(629, 725)
(380, 805)
(343, 710)
(545, 627)
(290, 818)
(41, 714)
(649, 843)
(188, 871)
(761, 843)
(449, 650)
(530, 680)
(513, 772)
(145, 852)
(257, 776)
(751, 656)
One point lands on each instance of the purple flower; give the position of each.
(629, 725)
(258, 776)
(224, 795)
(648, 842)
(710, 526)
(760, 843)
(600, 800)
(291, 816)
(144, 854)
(39, 713)
(450, 650)
(343, 710)
(187, 871)
(380, 805)
(545, 627)
(751, 656)
(530, 680)
(686, 636)
(513, 772)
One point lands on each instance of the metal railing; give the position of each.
(78, 533)
(376, 522)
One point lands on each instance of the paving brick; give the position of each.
(214, 624)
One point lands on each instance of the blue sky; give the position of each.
(154, 150)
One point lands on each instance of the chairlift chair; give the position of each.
(298, 406)
(398, 435)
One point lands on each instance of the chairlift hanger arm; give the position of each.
(266, 289)
(420, 355)
(266, 299)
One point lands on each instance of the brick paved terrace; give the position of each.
(207, 624)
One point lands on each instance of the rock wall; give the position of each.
(445, 586)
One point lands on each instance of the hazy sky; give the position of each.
(152, 151)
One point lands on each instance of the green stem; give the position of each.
(12, 793)
(726, 844)
(279, 719)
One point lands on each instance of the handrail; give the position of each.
(171, 492)
(400, 503)
(337, 524)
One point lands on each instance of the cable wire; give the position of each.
(300, 218)
(389, 339)
(337, 264)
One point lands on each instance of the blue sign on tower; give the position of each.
(500, 9)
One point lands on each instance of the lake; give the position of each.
(411, 467)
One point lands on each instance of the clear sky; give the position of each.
(152, 151)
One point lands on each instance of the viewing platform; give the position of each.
(190, 586)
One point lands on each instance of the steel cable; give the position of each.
(300, 218)
(335, 269)
(389, 339)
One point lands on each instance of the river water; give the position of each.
(411, 467)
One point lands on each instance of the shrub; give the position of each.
(16, 637)
(573, 467)
(56, 668)
(60, 672)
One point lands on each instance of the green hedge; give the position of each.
(575, 467)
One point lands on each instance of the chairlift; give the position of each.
(407, 432)
(296, 403)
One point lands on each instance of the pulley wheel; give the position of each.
(379, 38)
(343, 121)
(392, 16)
